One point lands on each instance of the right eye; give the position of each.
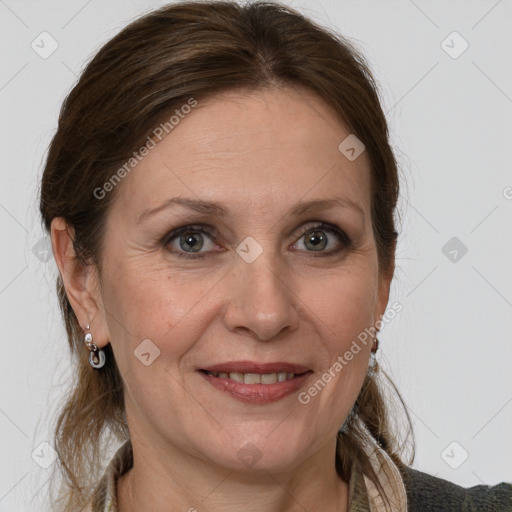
(189, 240)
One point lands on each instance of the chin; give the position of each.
(253, 456)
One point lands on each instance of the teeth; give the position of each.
(252, 378)
(269, 378)
(281, 376)
(238, 377)
(255, 378)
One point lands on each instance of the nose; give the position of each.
(261, 299)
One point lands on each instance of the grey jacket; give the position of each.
(426, 493)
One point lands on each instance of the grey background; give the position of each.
(448, 350)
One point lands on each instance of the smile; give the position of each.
(255, 383)
(254, 378)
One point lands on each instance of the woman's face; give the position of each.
(263, 283)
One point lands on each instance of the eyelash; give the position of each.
(323, 226)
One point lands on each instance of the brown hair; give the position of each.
(157, 63)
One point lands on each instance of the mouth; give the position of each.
(256, 383)
(253, 378)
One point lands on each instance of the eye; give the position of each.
(190, 240)
(315, 239)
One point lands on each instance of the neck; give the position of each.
(193, 485)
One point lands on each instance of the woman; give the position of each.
(220, 195)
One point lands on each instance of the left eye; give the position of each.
(315, 238)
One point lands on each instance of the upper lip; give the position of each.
(255, 367)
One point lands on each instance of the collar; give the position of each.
(388, 475)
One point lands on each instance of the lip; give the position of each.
(257, 394)
(254, 367)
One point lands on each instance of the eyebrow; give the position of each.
(215, 208)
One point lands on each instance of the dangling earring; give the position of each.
(373, 362)
(96, 355)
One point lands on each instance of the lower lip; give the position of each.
(257, 393)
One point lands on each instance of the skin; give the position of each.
(257, 153)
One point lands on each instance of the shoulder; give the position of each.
(428, 493)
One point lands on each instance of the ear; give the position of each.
(384, 285)
(81, 282)
(382, 297)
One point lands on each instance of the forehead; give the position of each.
(250, 150)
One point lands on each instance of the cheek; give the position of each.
(145, 304)
(344, 316)
(344, 306)
(154, 323)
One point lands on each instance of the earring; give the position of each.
(96, 355)
(373, 362)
